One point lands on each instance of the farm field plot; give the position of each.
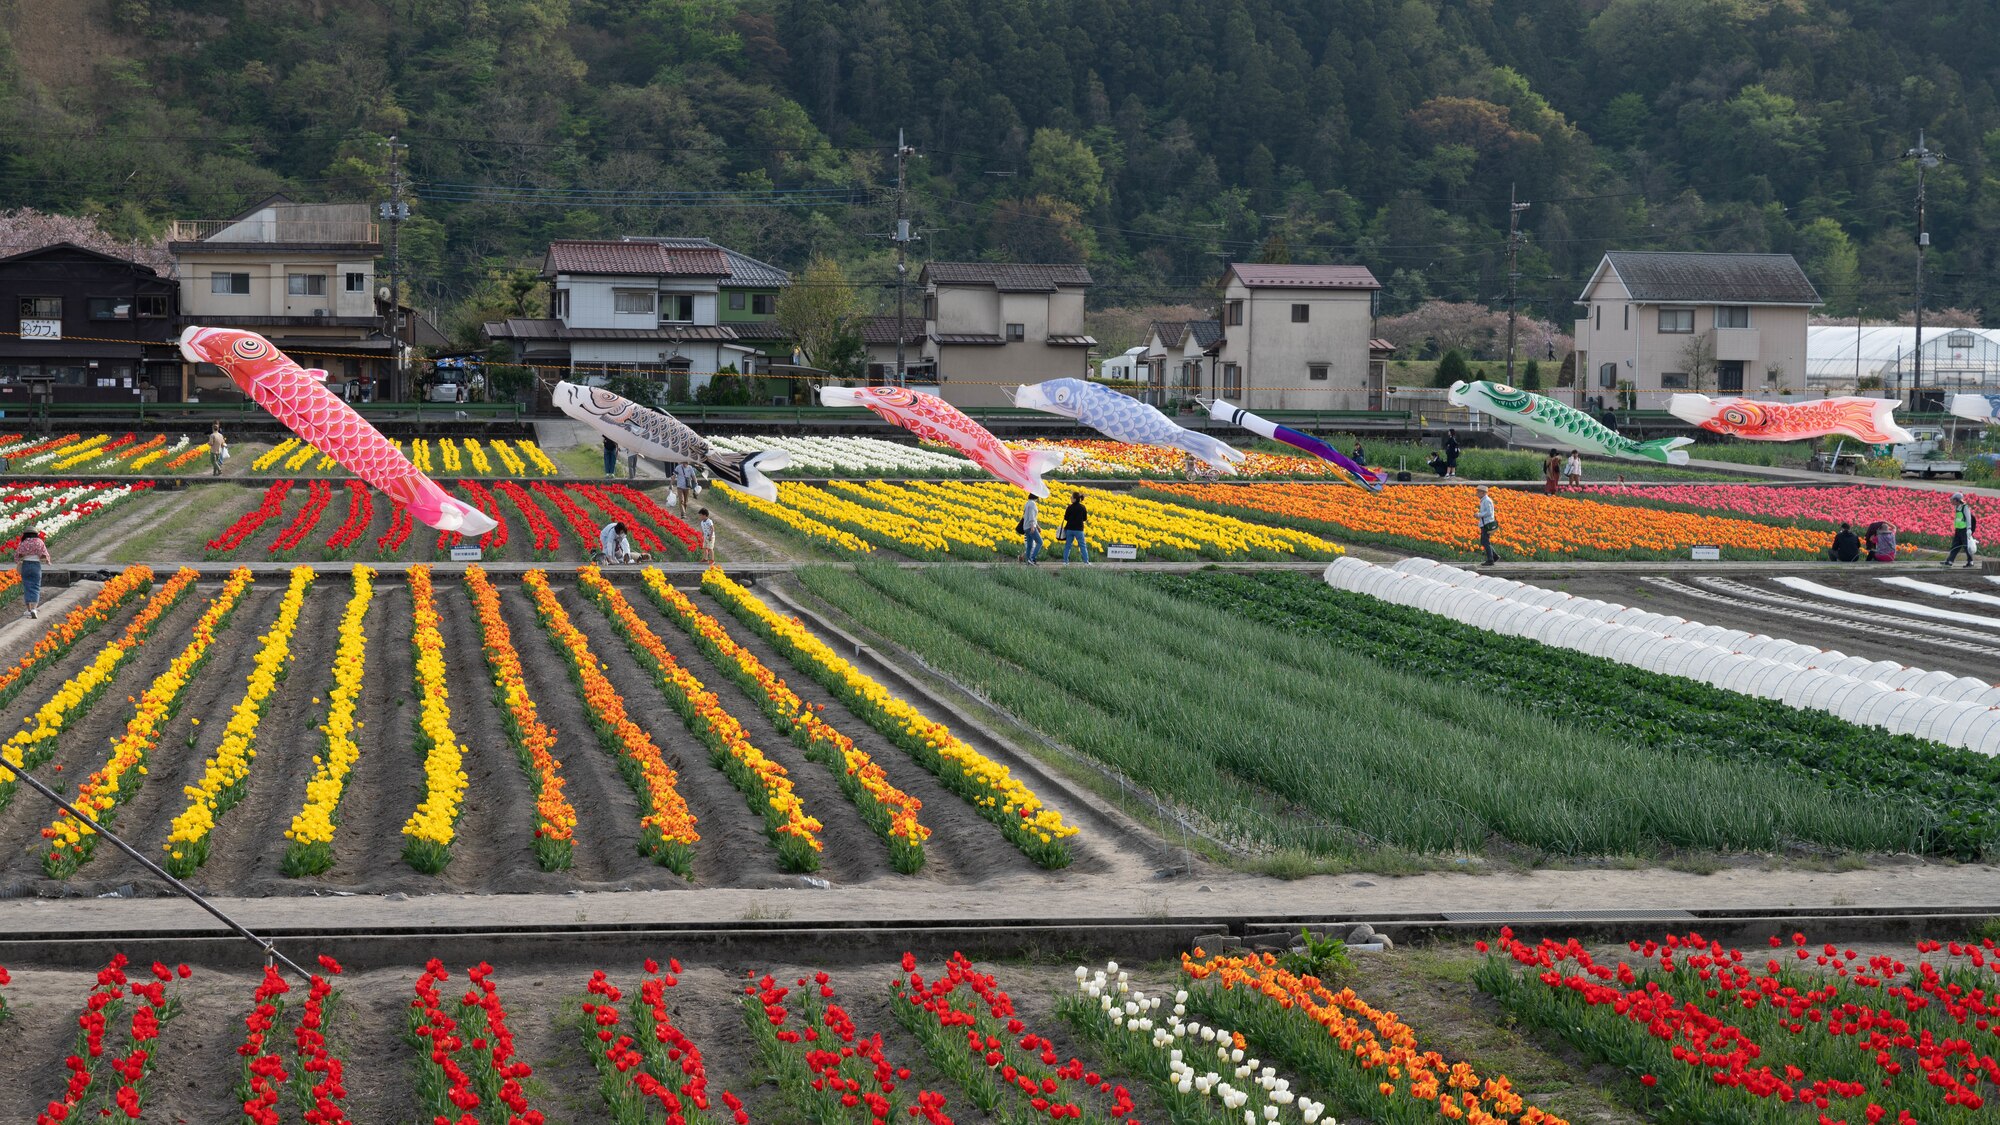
(439, 457)
(1230, 704)
(1920, 515)
(320, 519)
(152, 455)
(977, 519)
(1439, 520)
(297, 734)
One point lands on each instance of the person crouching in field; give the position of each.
(1846, 545)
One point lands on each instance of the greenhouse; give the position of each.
(1842, 358)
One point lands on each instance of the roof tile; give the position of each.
(1752, 279)
(634, 259)
(1261, 275)
(1016, 277)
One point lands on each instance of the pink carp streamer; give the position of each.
(1864, 419)
(933, 419)
(299, 398)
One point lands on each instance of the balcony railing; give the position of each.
(317, 232)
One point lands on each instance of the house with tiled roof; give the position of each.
(641, 306)
(1297, 337)
(1658, 323)
(991, 326)
(1177, 359)
(878, 338)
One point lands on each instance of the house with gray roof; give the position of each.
(1177, 357)
(993, 325)
(1297, 336)
(1657, 323)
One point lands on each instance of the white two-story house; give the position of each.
(994, 325)
(1176, 357)
(1297, 337)
(637, 307)
(1657, 323)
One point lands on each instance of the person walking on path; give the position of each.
(1451, 453)
(1573, 471)
(1074, 518)
(610, 458)
(1963, 524)
(684, 482)
(1031, 531)
(1552, 468)
(1488, 524)
(217, 448)
(29, 557)
(707, 536)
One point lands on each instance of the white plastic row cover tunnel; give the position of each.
(1871, 693)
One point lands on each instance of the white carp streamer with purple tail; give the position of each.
(1265, 428)
(1121, 417)
(662, 437)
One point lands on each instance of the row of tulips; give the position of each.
(319, 494)
(398, 532)
(54, 508)
(762, 779)
(225, 778)
(1038, 830)
(309, 850)
(468, 1053)
(102, 1081)
(644, 538)
(317, 1080)
(24, 454)
(968, 1026)
(71, 841)
(781, 515)
(428, 834)
(1200, 1072)
(90, 449)
(542, 531)
(555, 817)
(76, 624)
(247, 524)
(269, 459)
(888, 810)
(360, 514)
(668, 828)
(1920, 511)
(1360, 1054)
(666, 521)
(1711, 1032)
(35, 742)
(162, 452)
(656, 1070)
(579, 521)
(1532, 525)
(823, 1063)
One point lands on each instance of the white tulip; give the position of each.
(1112, 967)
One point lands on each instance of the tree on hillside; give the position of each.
(818, 308)
(1452, 369)
(1448, 326)
(27, 229)
(1531, 376)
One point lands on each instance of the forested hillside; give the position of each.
(1153, 139)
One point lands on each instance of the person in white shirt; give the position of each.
(1488, 524)
(1573, 469)
(1031, 532)
(685, 477)
(616, 543)
(707, 536)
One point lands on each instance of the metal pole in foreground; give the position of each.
(270, 950)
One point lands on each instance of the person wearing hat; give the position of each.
(1963, 524)
(1488, 524)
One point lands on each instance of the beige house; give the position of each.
(302, 274)
(878, 336)
(1658, 323)
(1177, 358)
(1297, 337)
(994, 325)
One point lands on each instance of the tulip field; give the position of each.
(1440, 520)
(441, 457)
(334, 728)
(98, 454)
(1925, 514)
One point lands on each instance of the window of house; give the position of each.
(41, 308)
(153, 306)
(1232, 313)
(1628, 318)
(111, 308)
(305, 284)
(632, 301)
(1732, 316)
(234, 283)
(559, 307)
(736, 302)
(1016, 333)
(1673, 380)
(1607, 374)
(677, 307)
(1316, 372)
(1676, 321)
(357, 282)
(1232, 380)
(764, 304)
(1301, 314)
(930, 308)
(1597, 313)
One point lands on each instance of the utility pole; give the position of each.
(1514, 210)
(902, 241)
(394, 212)
(1925, 158)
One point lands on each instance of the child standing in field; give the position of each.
(707, 536)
